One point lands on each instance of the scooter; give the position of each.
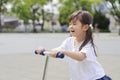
(59, 55)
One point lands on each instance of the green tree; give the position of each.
(103, 24)
(3, 9)
(69, 6)
(115, 10)
(25, 10)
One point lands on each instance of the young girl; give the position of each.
(79, 49)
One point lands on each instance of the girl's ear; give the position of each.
(85, 27)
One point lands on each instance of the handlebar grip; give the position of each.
(35, 52)
(59, 54)
(42, 52)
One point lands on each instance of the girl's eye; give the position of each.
(74, 24)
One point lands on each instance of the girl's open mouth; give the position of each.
(72, 31)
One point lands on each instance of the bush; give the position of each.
(102, 21)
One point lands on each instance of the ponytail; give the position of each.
(88, 38)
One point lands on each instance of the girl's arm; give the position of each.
(52, 53)
(79, 56)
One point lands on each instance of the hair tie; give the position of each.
(91, 26)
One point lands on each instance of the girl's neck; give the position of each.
(79, 40)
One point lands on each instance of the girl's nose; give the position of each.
(70, 26)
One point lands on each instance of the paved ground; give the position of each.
(18, 62)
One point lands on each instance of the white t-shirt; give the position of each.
(89, 68)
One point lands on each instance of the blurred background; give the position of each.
(52, 15)
(45, 23)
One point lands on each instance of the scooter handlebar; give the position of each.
(59, 54)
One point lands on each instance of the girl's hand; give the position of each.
(39, 50)
(52, 53)
(55, 52)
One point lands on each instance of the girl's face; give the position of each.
(77, 29)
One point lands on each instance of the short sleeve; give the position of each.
(89, 51)
(65, 46)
